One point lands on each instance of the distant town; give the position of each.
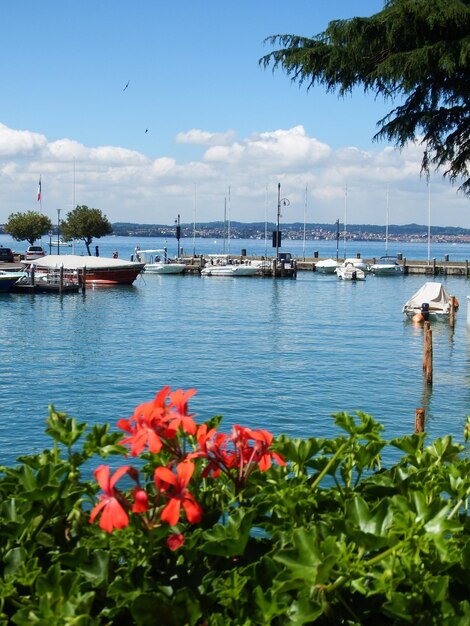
(296, 231)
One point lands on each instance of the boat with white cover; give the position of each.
(98, 270)
(348, 271)
(430, 302)
(360, 264)
(387, 266)
(327, 266)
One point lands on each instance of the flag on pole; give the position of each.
(39, 190)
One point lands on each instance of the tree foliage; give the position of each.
(85, 224)
(27, 226)
(415, 52)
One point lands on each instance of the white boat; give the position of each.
(327, 266)
(430, 302)
(359, 264)
(387, 266)
(223, 265)
(157, 262)
(348, 271)
(9, 279)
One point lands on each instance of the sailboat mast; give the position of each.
(305, 220)
(228, 227)
(429, 221)
(345, 217)
(225, 221)
(386, 225)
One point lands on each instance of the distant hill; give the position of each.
(252, 229)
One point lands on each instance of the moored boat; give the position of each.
(387, 266)
(223, 265)
(430, 302)
(327, 266)
(348, 271)
(9, 279)
(157, 262)
(98, 270)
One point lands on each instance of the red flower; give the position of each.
(141, 501)
(166, 480)
(144, 424)
(179, 401)
(175, 541)
(263, 440)
(113, 514)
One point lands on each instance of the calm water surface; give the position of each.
(282, 354)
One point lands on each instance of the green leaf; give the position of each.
(230, 539)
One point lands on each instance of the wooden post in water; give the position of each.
(83, 279)
(427, 353)
(61, 279)
(452, 312)
(419, 421)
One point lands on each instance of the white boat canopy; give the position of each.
(434, 294)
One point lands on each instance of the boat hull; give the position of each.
(235, 270)
(164, 268)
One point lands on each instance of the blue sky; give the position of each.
(215, 119)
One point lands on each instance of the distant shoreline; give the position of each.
(414, 233)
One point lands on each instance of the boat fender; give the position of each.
(354, 275)
(418, 317)
(456, 303)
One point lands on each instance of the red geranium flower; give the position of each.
(113, 514)
(175, 541)
(179, 401)
(176, 485)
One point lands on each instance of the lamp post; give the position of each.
(50, 242)
(277, 234)
(58, 231)
(178, 233)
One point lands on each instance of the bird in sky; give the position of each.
(146, 130)
(127, 85)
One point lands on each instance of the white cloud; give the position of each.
(205, 138)
(130, 186)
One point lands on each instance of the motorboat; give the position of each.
(387, 266)
(327, 266)
(9, 279)
(223, 265)
(430, 302)
(98, 270)
(157, 262)
(359, 264)
(348, 271)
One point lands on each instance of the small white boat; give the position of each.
(359, 264)
(327, 266)
(157, 262)
(430, 302)
(348, 271)
(387, 266)
(223, 265)
(9, 279)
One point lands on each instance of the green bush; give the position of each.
(207, 528)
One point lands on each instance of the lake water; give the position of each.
(276, 354)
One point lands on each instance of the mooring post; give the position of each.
(419, 421)
(83, 279)
(427, 353)
(452, 312)
(61, 279)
